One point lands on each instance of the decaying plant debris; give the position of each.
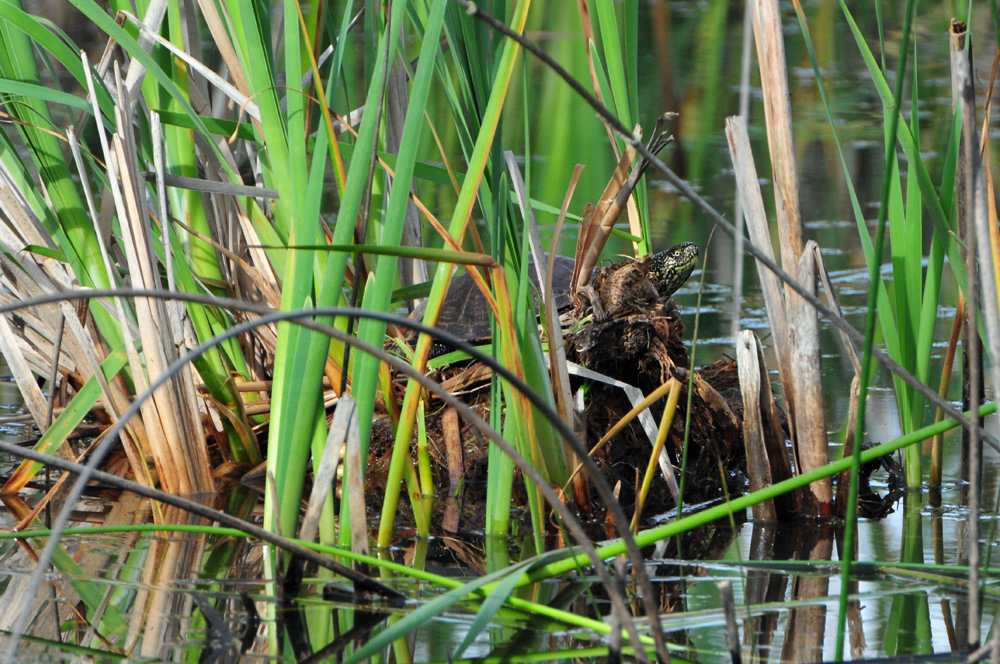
(639, 339)
(641, 342)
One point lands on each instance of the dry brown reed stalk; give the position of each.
(456, 467)
(972, 372)
(354, 471)
(978, 247)
(175, 432)
(31, 350)
(810, 418)
(598, 221)
(255, 278)
(342, 426)
(794, 328)
(758, 468)
(794, 322)
(767, 460)
(558, 369)
(936, 448)
(797, 381)
(28, 344)
(840, 499)
(778, 121)
(760, 236)
(553, 330)
(851, 426)
(594, 232)
(774, 295)
(177, 437)
(972, 383)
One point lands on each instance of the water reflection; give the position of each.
(184, 593)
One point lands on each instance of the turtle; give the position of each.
(466, 315)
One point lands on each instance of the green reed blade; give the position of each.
(866, 362)
(378, 294)
(607, 28)
(471, 186)
(428, 610)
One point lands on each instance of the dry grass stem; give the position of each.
(770, 42)
(326, 474)
(810, 419)
(597, 227)
(758, 467)
(760, 237)
(178, 440)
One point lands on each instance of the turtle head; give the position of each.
(668, 270)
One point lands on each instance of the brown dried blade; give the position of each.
(612, 203)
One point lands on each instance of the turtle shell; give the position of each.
(465, 313)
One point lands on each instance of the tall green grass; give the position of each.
(268, 247)
(907, 305)
(289, 136)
